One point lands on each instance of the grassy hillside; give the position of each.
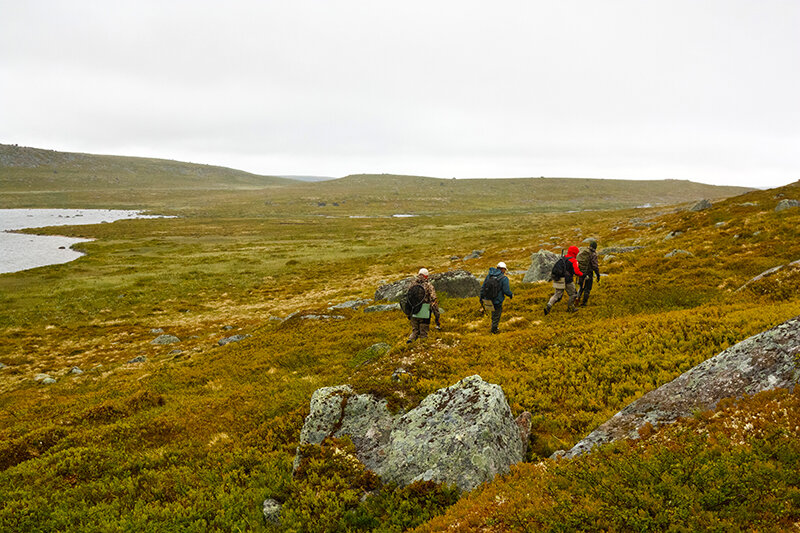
(198, 435)
(32, 177)
(33, 170)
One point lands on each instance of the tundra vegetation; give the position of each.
(198, 435)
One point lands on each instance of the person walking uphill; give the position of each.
(419, 305)
(494, 290)
(562, 276)
(587, 262)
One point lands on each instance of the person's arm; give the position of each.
(507, 287)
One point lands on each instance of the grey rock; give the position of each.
(455, 258)
(233, 338)
(765, 361)
(673, 234)
(272, 511)
(382, 307)
(350, 304)
(165, 339)
(786, 204)
(176, 352)
(720, 224)
(76, 371)
(138, 359)
(322, 317)
(2, 365)
(48, 381)
(541, 264)
(474, 254)
(455, 283)
(156, 331)
(463, 434)
(701, 205)
(41, 377)
(767, 273)
(619, 250)
(227, 328)
(748, 204)
(673, 253)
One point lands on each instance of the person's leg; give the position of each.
(587, 289)
(414, 329)
(424, 326)
(573, 295)
(498, 310)
(553, 300)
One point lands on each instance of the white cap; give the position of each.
(423, 271)
(502, 265)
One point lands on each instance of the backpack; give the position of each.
(583, 259)
(491, 288)
(559, 269)
(414, 299)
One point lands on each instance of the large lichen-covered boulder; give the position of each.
(765, 361)
(541, 264)
(455, 283)
(463, 434)
(337, 411)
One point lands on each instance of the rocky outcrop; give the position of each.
(675, 252)
(463, 434)
(618, 250)
(350, 304)
(786, 204)
(473, 255)
(165, 339)
(768, 273)
(232, 338)
(541, 264)
(701, 205)
(455, 283)
(765, 361)
(380, 308)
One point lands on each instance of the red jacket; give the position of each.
(572, 251)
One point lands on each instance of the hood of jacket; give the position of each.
(572, 251)
(495, 272)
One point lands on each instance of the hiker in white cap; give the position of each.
(494, 290)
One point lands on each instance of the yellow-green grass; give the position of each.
(197, 440)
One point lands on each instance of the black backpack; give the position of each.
(559, 269)
(491, 288)
(414, 299)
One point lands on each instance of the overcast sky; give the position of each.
(687, 89)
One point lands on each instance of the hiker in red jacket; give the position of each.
(569, 268)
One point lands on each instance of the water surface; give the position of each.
(21, 251)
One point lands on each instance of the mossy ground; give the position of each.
(196, 440)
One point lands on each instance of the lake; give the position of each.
(21, 251)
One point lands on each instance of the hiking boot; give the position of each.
(572, 309)
(546, 310)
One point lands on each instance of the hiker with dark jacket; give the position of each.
(564, 282)
(587, 262)
(421, 319)
(494, 290)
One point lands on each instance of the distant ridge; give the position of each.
(309, 178)
(24, 169)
